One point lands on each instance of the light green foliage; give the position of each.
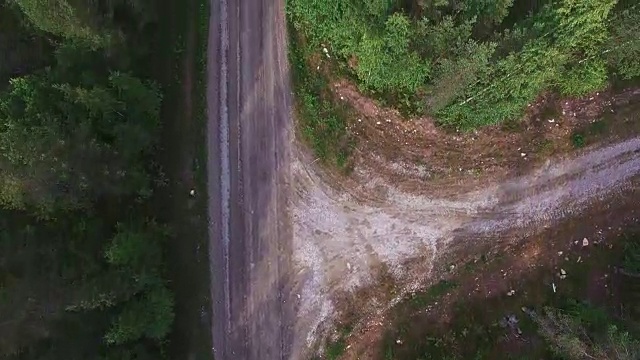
(522, 76)
(581, 24)
(385, 64)
(61, 18)
(458, 58)
(589, 76)
(541, 65)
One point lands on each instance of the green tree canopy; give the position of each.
(64, 144)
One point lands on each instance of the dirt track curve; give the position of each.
(284, 241)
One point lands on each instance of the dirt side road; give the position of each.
(248, 159)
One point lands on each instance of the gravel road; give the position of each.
(283, 241)
(248, 158)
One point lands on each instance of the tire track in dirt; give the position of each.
(341, 242)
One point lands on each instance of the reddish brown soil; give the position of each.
(483, 156)
(505, 265)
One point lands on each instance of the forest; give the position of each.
(82, 269)
(466, 63)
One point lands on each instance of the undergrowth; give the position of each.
(322, 121)
(469, 63)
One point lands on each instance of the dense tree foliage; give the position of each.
(474, 62)
(82, 270)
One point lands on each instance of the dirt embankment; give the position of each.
(415, 191)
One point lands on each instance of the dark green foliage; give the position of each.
(631, 261)
(625, 51)
(82, 269)
(577, 139)
(65, 144)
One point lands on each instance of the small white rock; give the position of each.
(349, 266)
(192, 192)
(378, 123)
(398, 341)
(552, 120)
(523, 154)
(563, 272)
(553, 285)
(560, 253)
(585, 242)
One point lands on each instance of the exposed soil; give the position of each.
(412, 153)
(489, 269)
(419, 197)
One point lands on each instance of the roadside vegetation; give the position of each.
(465, 63)
(82, 256)
(585, 307)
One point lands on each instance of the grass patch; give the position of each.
(336, 347)
(434, 292)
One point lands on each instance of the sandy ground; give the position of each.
(288, 239)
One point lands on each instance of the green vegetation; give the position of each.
(82, 260)
(468, 63)
(593, 313)
(321, 120)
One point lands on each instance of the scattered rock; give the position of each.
(192, 192)
(398, 341)
(523, 154)
(452, 267)
(349, 266)
(511, 292)
(579, 259)
(585, 242)
(553, 285)
(560, 253)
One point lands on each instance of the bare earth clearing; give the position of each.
(343, 242)
(290, 241)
